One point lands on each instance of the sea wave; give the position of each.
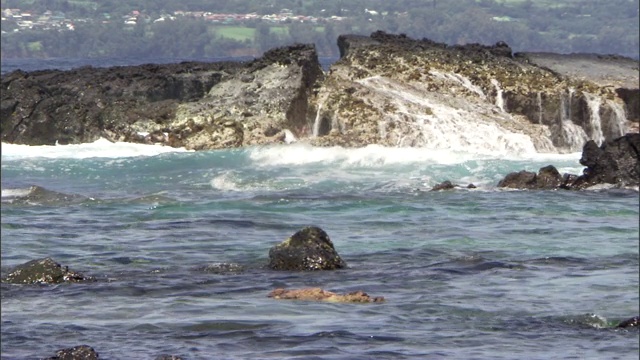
(101, 148)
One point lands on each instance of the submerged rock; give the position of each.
(448, 185)
(308, 249)
(82, 352)
(168, 357)
(629, 323)
(43, 271)
(318, 294)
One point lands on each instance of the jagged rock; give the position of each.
(82, 352)
(308, 249)
(448, 185)
(629, 323)
(615, 162)
(196, 105)
(318, 294)
(445, 185)
(547, 178)
(386, 89)
(43, 271)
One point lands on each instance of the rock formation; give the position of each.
(629, 323)
(82, 352)
(43, 271)
(396, 91)
(307, 250)
(386, 89)
(317, 294)
(616, 162)
(192, 105)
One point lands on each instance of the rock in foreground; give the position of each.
(82, 352)
(43, 271)
(308, 249)
(317, 294)
(629, 323)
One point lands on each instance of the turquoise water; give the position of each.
(466, 274)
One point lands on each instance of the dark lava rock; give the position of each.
(614, 162)
(308, 249)
(43, 271)
(629, 323)
(82, 352)
(445, 185)
(448, 185)
(547, 178)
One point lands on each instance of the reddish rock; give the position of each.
(318, 294)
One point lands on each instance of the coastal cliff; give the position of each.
(385, 89)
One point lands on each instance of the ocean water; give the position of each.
(466, 274)
(480, 273)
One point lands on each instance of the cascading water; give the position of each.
(617, 119)
(539, 98)
(573, 136)
(420, 120)
(499, 97)
(593, 102)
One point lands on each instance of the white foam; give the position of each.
(378, 156)
(13, 193)
(101, 148)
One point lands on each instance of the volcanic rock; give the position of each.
(82, 352)
(307, 250)
(43, 271)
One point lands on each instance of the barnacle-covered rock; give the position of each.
(43, 271)
(308, 249)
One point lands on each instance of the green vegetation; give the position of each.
(564, 26)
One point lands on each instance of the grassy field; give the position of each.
(239, 33)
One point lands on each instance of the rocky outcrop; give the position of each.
(193, 105)
(616, 162)
(386, 89)
(317, 294)
(396, 91)
(630, 323)
(43, 271)
(82, 352)
(448, 185)
(307, 250)
(37, 195)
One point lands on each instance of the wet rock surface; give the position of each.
(82, 352)
(307, 250)
(616, 163)
(380, 92)
(633, 322)
(43, 271)
(318, 294)
(196, 105)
